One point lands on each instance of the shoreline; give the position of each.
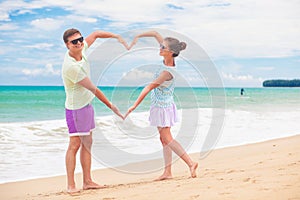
(103, 167)
(268, 169)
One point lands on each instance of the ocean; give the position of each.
(34, 135)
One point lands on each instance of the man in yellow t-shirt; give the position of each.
(80, 92)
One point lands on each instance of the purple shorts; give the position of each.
(81, 121)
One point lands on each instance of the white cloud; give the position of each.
(225, 28)
(6, 50)
(233, 77)
(47, 71)
(137, 74)
(130, 11)
(249, 80)
(266, 68)
(232, 67)
(243, 28)
(6, 7)
(8, 27)
(4, 16)
(136, 77)
(25, 11)
(21, 6)
(79, 18)
(42, 46)
(47, 24)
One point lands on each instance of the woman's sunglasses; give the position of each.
(162, 46)
(76, 40)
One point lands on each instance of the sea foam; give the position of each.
(37, 149)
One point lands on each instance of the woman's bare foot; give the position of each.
(164, 177)
(73, 190)
(92, 185)
(193, 170)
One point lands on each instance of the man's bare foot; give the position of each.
(92, 185)
(193, 170)
(164, 177)
(73, 190)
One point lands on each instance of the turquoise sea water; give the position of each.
(38, 103)
(32, 125)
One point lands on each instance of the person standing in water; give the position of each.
(163, 112)
(242, 91)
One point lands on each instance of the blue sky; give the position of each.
(248, 41)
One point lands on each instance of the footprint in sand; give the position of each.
(246, 179)
(291, 164)
(230, 171)
(195, 196)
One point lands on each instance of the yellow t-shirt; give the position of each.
(73, 72)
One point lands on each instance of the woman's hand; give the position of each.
(122, 41)
(134, 41)
(132, 108)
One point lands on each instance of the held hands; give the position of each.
(117, 112)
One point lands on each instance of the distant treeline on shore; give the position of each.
(282, 83)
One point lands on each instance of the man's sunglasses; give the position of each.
(76, 40)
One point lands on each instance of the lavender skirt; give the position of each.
(163, 117)
(80, 122)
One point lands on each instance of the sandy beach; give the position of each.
(266, 170)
